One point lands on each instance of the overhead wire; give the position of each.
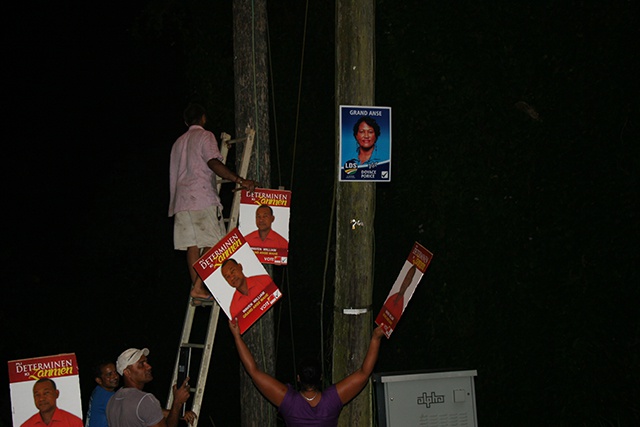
(285, 280)
(324, 272)
(273, 105)
(255, 84)
(297, 120)
(257, 142)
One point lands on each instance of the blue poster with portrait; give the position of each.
(365, 143)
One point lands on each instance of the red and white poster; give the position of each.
(237, 280)
(264, 223)
(403, 288)
(62, 369)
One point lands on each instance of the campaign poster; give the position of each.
(237, 280)
(23, 374)
(264, 223)
(365, 143)
(403, 288)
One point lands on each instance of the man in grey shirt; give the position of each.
(132, 407)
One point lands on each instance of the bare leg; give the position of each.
(198, 290)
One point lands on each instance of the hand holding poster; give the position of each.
(45, 390)
(237, 280)
(402, 290)
(264, 223)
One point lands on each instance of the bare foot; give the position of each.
(199, 291)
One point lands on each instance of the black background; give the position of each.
(532, 219)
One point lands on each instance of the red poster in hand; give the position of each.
(237, 280)
(402, 290)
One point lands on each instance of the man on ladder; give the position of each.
(194, 200)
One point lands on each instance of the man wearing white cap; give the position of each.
(132, 407)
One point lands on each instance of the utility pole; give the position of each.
(353, 320)
(251, 109)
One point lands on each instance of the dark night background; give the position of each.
(531, 213)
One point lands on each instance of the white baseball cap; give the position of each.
(129, 357)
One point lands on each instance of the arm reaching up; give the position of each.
(270, 387)
(349, 387)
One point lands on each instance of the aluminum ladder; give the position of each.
(186, 343)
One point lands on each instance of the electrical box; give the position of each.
(426, 398)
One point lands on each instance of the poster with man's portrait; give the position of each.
(403, 288)
(264, 223)
(237, 280)
(54, 380)
(365, 143)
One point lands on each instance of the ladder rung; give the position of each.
(236, 140)
(191, 345)
(207, 303)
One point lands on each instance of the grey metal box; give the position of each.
(426, 398)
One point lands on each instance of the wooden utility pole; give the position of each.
(353, 320)
(251, 109)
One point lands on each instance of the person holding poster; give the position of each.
(264, 236)
(45, 397)
(194, 201)
(247, 288)
(309, 406)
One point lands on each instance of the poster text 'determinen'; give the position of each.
(237, 280)
(264, 223)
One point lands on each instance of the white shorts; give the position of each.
(202, 228)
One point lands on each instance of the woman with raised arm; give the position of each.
(309, 406)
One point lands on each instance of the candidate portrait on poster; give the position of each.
(45, 385)
(264, 223)
(365, 143)
(246, 265)
(237, 280)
